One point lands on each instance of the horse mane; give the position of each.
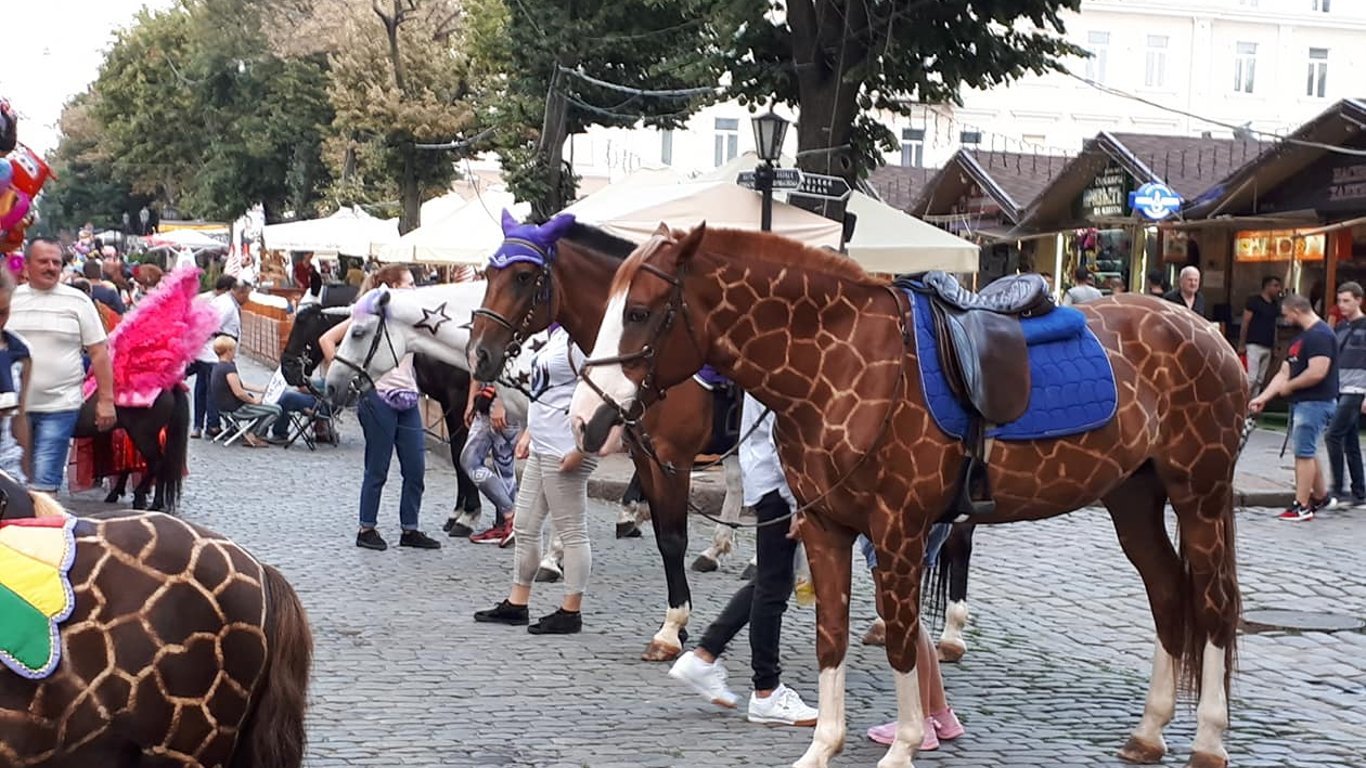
(599, 241)
(752, 246)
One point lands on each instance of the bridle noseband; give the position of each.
(363, 382)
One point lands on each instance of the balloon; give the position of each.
(30, 172)
(14, 207)
(6, 174)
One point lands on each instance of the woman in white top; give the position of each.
(554, 483)
(391, 422)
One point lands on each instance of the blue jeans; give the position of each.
(51, 436)
(499, 483)
(1311, 419)
(291, 401)
(939, 533)
(1344, 445)
(205, 412)
(387, 430)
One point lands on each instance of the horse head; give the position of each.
(518, 300)
(648, 341)
(372, 346)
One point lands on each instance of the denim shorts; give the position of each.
(1311, 419)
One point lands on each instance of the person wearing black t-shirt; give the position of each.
(1344, 433)
(1309, 379)
(1257, 334)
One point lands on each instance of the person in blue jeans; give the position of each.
(1309, 379)
(491, 435)
(1344, 433)
(391, 422)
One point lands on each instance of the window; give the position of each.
(970, 137)
(727, 139)
(1155, 76)
(666, 147)
(1244, 67)
(1098, 44)
(1320, 5)
(912, 148)
(1317, 84)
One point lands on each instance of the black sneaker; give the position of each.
(370, 539)
(504, 613)
(418, 540)
(277, 439)
(1327, 502)
(560, 622)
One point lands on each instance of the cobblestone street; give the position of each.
(1055, 674)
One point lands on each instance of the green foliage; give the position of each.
(86, 187)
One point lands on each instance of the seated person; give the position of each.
(290, 400)
(233, 396)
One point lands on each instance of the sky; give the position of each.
(53, 50)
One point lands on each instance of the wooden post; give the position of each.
(1339, 247)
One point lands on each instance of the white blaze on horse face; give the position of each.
(828, 739)
(910, 722)
(1211, 716)
(1161, 704)
(610, 378)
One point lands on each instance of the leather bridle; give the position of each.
(363, 383)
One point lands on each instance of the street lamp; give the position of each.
(769, 131)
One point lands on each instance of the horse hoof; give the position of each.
(1206, 760)
(951, 653)
(658, 651)
(628, 531)
(547, 575)
(876, 634)
(113, 497)
(459, 531)
(704, 564)
(1140, 752)
(139, 502)
(748, 573)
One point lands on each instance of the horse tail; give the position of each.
(175, 454)
(273, 733)
(1195, 633)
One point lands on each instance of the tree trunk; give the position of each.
(554, 133)
(409, 194)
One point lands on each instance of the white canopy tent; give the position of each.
(349, 231)
(183, 238)
(889, 241)
(439, 208)
(467, 236)
(722, 204)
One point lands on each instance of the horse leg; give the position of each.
(668, 495)
(1204, 512)
(723, 537)
(117, 489)
(829, 549)
(958, 553)
(1137, 507)
(898, 577)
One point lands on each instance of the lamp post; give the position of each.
(769, 131)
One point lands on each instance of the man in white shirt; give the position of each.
(760, 603)
(205, 412)
(59, 322)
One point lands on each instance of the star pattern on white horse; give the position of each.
(433, 319)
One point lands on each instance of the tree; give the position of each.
(539, 46)
(841, 62)
(86, 187)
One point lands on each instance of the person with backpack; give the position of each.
(1344, 431)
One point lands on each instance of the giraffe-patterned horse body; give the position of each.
(182, 650)
(831, 351)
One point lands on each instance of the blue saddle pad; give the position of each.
(1072, 387)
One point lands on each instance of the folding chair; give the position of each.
(301, 427)
(234, 428)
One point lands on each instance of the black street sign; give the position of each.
(783, 178)
(823, 187)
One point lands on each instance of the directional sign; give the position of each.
(823, 187)
(783, 178)
(1155, 201)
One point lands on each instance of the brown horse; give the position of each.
(182, 650)
(831, 350)
(524, 298)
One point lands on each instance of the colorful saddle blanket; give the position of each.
(1072, 386)
(35, 591)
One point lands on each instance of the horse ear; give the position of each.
(383, 300)
(663, 231)
(690, 243)
(555, 228)
(510, 222)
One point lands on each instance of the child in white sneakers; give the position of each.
(762, 601)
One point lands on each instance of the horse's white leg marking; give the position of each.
(955, 621)
(1211, 715)
(828, 740)
(674, 620)
(723, 538)
(910, 722)
(1161, 704)
(609, 378)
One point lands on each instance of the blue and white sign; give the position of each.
(1155, 201)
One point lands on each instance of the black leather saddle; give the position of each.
(15, 501)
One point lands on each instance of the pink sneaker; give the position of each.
(946, 725)
(885, 734)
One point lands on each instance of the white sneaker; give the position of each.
(782, 707)
(707, 679)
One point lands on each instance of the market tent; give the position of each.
(350, 231)
(721, 204)
(183, 238)
(438, 208)
(467, 236)
(889, 241)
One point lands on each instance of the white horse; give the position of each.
(434, 320)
